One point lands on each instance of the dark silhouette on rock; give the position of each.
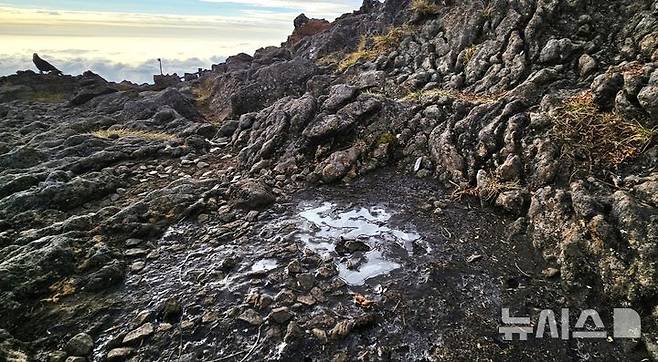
(44, 66)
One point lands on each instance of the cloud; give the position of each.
(115, 71)
(19, 17)
(123, 45)
(133, 38)
(328, 9)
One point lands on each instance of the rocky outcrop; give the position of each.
(253, 85)
(543, 110)
(490, 81)
(305, 27)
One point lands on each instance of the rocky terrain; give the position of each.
(375, 188)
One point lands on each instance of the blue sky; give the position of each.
(120, 39)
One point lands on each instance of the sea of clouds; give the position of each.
(111, 70)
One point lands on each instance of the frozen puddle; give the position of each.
(264, 265)
(326, 229)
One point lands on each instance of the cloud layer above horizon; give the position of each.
(121, 39)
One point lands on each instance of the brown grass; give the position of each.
(329, 59)
(47, 97)
(134, 133)
(371, 48)
(469, 53)
(488, 11)
(59, 290)
(494, 187)
(424, 7)
(487, 192)
(597, 139)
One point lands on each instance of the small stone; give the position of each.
(473, 258)
(133, 253)
(265, 300)
(203, 218)
(418, 164)
(512, 201)
(251, 194)
(280, 315)
(163, 327)
(143, 317)
(306, 281)
(586, 65)
(550, 273)
(294, 267)
(251, 316)
(273, 333)
(187, 324)
(325, 272)
(285, 297)
(76, 359)
(318, 294)
(132, 242)
(209, 317)
(137, 266)
(320, 334)
(202, 164)
(292, 332)
(138, 334)
(356, 245)
(120, 354)
(80, 345)
(306, 299)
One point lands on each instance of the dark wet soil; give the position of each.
(450, 267)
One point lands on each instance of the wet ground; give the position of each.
(388, 268)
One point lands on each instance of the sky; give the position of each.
(121, 39)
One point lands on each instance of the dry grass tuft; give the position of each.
(59, 290)
(488, 11)
(488, 192)
(424, 7)
(469, 53)
(203, 91)
(134, 133)
(598, 139)
(429, 95)
(48, 97)
(495, 187)
(329, 59)
(371, 48)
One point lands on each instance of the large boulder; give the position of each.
(251, 194)
(153, 102)
(271, 78)
(28, 270)
(92, 86)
